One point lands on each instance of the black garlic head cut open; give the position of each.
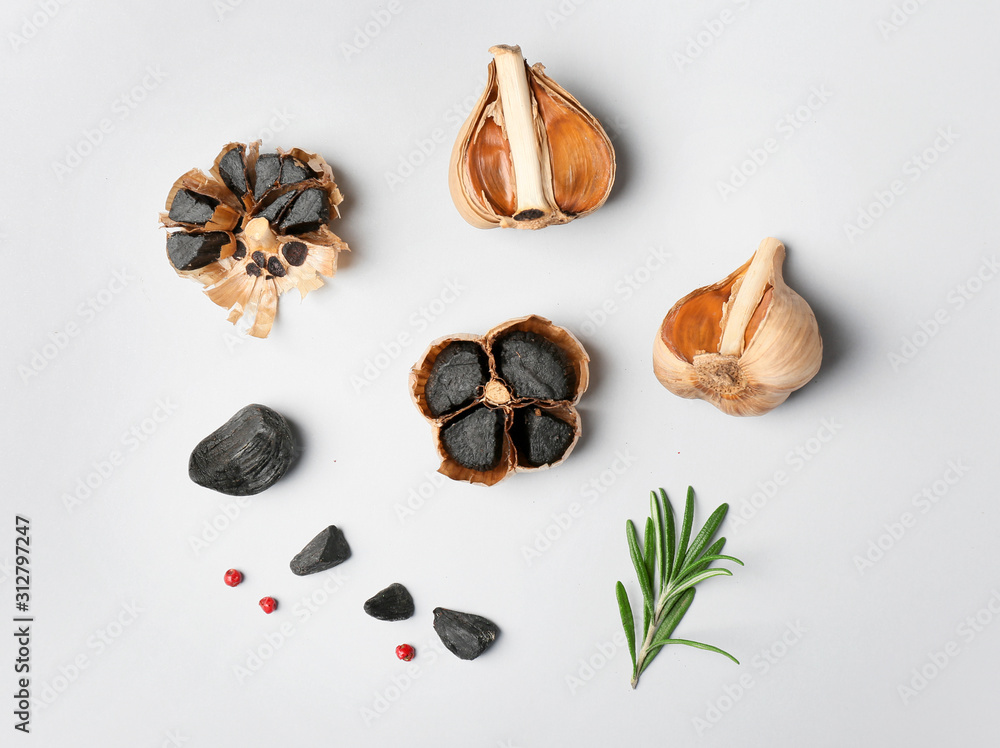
(503, 402)
(257, 226)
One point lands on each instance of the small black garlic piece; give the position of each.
(394, 603)
(295, 253)
(245, 455)
(465, 635)
(323, 552)
(274, 267)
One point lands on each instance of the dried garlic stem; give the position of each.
(260, 235)
(519, 123)
(748, 295)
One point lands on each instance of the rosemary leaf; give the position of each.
(711, 525)
(649, 550)
(707, 560)
(656, 514)
(639, 564)
(697, 645)
(625, 609)
(701, 576)
(686, 523)
(669, 535)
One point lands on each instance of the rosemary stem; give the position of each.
(659, 613)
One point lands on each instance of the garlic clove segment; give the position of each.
(529, 155)
(743, 344)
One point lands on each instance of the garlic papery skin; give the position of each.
(529, 155)
(743, 344)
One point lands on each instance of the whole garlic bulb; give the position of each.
(529, 155)
(743, 344)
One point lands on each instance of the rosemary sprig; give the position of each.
(668, 570)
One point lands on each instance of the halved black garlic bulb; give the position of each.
(255, 228)
(503, 402)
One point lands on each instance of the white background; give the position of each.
(73, 215)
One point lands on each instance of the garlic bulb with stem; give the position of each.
(743, 344)
(529, 155)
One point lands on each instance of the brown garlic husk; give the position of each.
(496, 397)
(743, 344)
(529, 155)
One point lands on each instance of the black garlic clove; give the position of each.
(465, 635)
(533, 366)
(475, 439)
(190, 207)
(267, 169)
(540, 438)
(394, 603)
(245, 455)
(458, 372)
(326, 550)
(233, 171)
(293, 170)
(310, 210)
(194, 251)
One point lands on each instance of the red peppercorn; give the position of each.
(268, 604)
(233, 577)
(405, 652)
